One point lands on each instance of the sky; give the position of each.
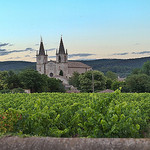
(91, 29)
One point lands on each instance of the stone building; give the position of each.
(61, 68)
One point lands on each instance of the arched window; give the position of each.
(59, 59)
(61, 73)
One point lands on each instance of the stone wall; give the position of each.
(47, 143)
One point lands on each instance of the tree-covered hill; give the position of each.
(122, 67)
(16, 65)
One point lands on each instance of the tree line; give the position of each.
(28, 79)
(137, 81)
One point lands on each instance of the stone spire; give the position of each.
(41, 50)
(61, 47)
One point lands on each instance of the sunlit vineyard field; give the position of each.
(75, 114)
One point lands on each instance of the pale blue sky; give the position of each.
(91, 29)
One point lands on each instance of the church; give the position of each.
(61, 68)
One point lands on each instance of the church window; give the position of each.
(61, 73)
(59, 59)
(51, 74)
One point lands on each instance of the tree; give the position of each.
(85, 81)
(108, 83)
(3, 80)
(31, 79)
(13, 80)
(119, 84)
(111, 75)
(74, 79)
(52, 84)
(138, 83)
(116, 85)
(55, 85)
(146, 68)
(136, 71)
(36, 82)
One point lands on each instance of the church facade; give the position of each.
(61, 68)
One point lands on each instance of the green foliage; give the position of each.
(138, 83)
(5, 91)
(17, 90)
(12, 80)
(122, 67)
(54, 85)
(28, 79)
(16, 65)
(116, 85)
(31, 79)
(111, 75)
(74, 80)
(3, 78)
(136, 71)
(108, 83)
(85, 81)
(93, 115)
(146, 68)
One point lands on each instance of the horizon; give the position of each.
(80, 59)
(90, 29)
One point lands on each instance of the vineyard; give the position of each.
(93, 115)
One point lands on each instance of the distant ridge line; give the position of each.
(122, 67)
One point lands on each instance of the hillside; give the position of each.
(16, 65)
(121, 66)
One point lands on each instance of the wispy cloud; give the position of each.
(143, 52)
(5, 44)
(120, 53)
(75, 55)
(80, 55)
(5, 52)
(29, 49)
(2, 50)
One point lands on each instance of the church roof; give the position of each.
(41, 50)
(61, 47)
(75, 64)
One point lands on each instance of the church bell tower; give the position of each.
(62, 60)
(41, 59)
(61, 55)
